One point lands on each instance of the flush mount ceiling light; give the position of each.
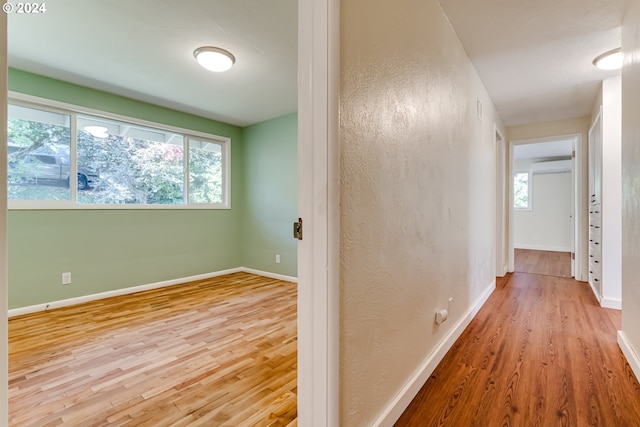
(97, 131)
(611, 60)
(214, 58)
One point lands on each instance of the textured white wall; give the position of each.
(548, 225)
(631, 176)
(418, 195)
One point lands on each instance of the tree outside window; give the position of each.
(521, 190)
(116, 162)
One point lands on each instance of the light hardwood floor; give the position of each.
(541, 352)
(217, 352)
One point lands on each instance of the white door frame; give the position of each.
(579, 185)
(318, 197)
(318, 206)
(502, 262)
(4, 288)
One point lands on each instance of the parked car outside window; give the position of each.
(47, 164)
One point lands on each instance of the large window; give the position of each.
(70, 159)
(522, 190)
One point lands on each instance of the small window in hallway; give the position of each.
(522, 190)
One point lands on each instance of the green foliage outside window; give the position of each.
(123, 169)
(521, 190)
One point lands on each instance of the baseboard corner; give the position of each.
(615, 304)
(269, 274)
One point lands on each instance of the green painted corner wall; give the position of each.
(270, 195)
(112, 249)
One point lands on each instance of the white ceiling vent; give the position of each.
(555, 166)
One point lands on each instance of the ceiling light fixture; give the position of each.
(97, 131)
(611, 60)
(214, 58)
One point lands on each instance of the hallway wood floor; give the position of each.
(216, 352)
(542, 262)
(541, 352)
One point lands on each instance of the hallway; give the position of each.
(540, 352)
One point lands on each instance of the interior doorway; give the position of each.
(318, 78)
(544, 206)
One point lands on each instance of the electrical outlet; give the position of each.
(277, 259)
(66, 278)
(441, 316)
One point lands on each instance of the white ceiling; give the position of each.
(143, 49)
(533, 56)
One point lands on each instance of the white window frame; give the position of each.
(529, 190)
(30, 101)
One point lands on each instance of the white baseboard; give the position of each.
(611, 303)
(117, 292)
(542, 248)
(400, 403)
(269, 275)
(606, 302)
(595, 293)
(629, 353)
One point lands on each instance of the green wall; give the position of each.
(112, 249)
(270, 195)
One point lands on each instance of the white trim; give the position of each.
(117, 292)
(4, 281)
(615, 304)
(542, 248)
(402, 400)
(629, 353)
(43, 205)
(270, 275)
(501, 201)
(318, 206)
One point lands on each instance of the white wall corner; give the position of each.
(629, 353)
(399, 404)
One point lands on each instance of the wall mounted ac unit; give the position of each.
(554, 166)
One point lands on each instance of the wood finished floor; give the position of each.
(541, 352)
(217, 352)
(543, 262)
